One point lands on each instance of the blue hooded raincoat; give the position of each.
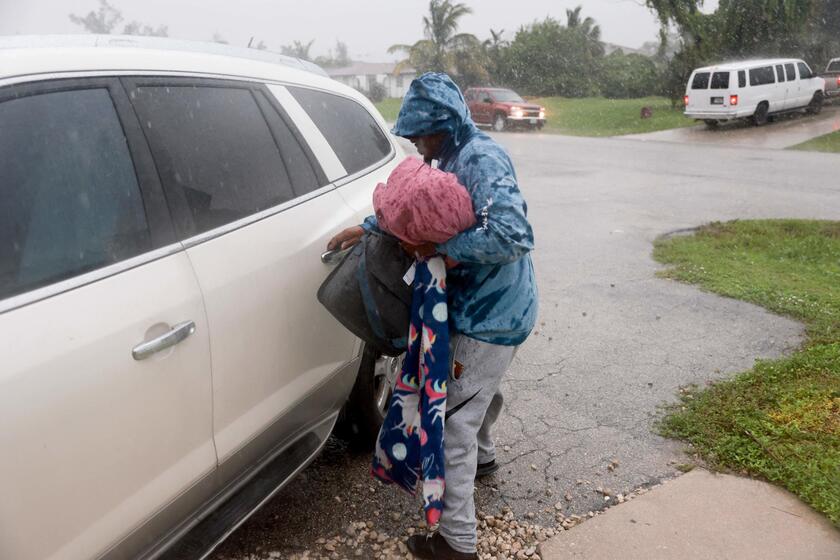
(492, 293)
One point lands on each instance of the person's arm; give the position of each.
(502, 233)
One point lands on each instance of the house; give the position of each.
(361, 75)
(610, 48)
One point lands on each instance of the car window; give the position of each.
(742, 78)
(790, 71)
(700, 81)
(720, 80)
(834, 66)
(214, 150)
(349, 128)
(780, 73)
(507, 96)
(804, 72)
(298, 165)
(70, 198)
(762, 76)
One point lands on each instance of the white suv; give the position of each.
(754, 89)
(166, 366)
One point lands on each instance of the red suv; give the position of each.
(503, 108)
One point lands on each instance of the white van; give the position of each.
(754, 89)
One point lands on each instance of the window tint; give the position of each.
(720, 80)
(350, 130)
(70, 200)
(804, 71)
(213, 150)
(700, 81)
(780, 73)
(790, 70)
(762, 76)
(742, 78)
(297, 163)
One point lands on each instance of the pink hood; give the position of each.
(421, 204)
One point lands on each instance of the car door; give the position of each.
(805, 87)
(793, 85)
(783, 89)
(255, 211)
(105, 397)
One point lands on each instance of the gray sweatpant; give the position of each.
(473, 403)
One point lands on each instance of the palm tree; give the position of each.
(587, 26)
(442, 47)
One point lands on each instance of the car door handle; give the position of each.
(334, 256)
(179, 333)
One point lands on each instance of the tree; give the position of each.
(548, 58)
(493, 49)
(628, 76)
(335, 59)
(443, 49)
(106, 19)
(298, 49)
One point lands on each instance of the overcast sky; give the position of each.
(368, 27)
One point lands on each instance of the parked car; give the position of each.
(503, 108)
(166, 365)
(832, 78)
(754, 89)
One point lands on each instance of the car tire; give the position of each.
(711, 123)
(499, 122)
(816, 104)
(369, 400)
(759, 118)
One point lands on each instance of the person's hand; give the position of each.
(346, 238)
(419, 251)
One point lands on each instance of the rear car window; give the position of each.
(213, 150)
(70, 199)
(834, 66)
(762, 76)
(351, 131)
(700, 81)
(720, 80)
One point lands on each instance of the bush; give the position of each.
(628, 76)
(376, 92)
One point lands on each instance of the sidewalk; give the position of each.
(702, 516)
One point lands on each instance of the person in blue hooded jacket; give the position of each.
(492, 295)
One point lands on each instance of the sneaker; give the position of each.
(435, 547)
(485, 469)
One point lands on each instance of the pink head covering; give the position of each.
(421, 204)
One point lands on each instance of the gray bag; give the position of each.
(367, 294)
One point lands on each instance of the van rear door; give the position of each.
(709, 91)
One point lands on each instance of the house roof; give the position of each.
(365, 68)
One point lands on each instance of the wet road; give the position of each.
(612, 344)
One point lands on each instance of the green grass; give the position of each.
(389, 108)
(827, 143)
(780, 420)
(594, 116)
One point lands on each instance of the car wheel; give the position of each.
(710, 123)
(369, 400)
(499, 123)
(815, 106)
(760, 116)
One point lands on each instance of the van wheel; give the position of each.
(499, 122)
(815, 106)
(760, 116)
(711, 123)
(369, 400)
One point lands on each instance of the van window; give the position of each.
(720, 80)
(780, 73)
(350, 130)
(69, 202)
(213, 149)
(762, 76)
(804, 72)
(742, 78)
(700, 81)
(790, 70)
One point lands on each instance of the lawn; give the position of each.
(828, 143)
(594, 116)
(780, 420)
